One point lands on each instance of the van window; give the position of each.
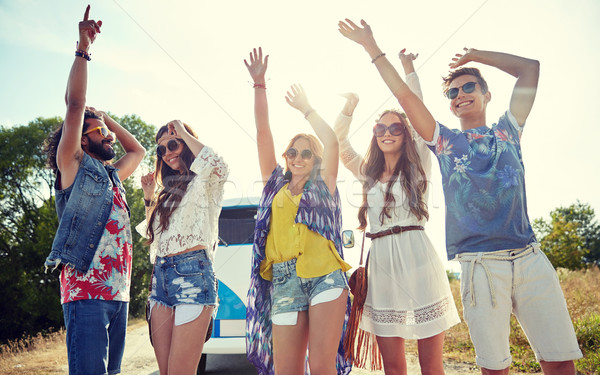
(236, 225)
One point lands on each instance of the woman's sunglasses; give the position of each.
(103, 130)
(467, 88)
(291, 153)
(396, 128)
(171, 145)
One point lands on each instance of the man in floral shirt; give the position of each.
(487, 226)
(93, 240)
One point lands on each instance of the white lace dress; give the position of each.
(408, 293)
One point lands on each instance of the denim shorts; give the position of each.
(292, 293)
(184, 279)
(95, 335)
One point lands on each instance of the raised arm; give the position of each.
(527, 72)
(134, 151)
(412, 80)
(350, 158)
(418, 114)
(69, 152)
(264, 138)
(296, 97)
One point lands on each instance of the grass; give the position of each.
(42, 354)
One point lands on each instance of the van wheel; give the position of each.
(202, 365)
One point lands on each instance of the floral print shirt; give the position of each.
(109, 276)
(483, 177)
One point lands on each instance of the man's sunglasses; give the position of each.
(103, 130)
(291, 153)
(396, 128)
(467, 88)
(172, 145)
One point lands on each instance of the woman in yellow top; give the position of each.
(298, 295)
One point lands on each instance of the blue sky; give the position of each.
(183, 60)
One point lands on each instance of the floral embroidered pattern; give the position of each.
(422, 315)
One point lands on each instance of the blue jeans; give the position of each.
(95, 336)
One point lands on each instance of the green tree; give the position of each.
(571, 238)
(28, 223)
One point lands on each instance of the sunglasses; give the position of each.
(467, 88)
(172, 145)
(291, 153)
(103, 130)
(396, 128)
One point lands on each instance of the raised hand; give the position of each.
(148, 185)
(176, 128)
(361, 35)
(297, 99)
(351, 103)
(257, 66)
(88, 30)
(461, 59)
(407, 57)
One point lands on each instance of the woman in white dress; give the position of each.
(408, 293)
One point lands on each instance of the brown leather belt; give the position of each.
(394, 230)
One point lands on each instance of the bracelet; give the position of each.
(147, 202)
(378, 56)
(308, 112)
(82, 53)
(260, 86)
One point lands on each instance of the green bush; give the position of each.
(588, 337)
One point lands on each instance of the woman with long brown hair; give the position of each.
(182, 217)
(408, 295)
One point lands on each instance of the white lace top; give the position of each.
(196, 220)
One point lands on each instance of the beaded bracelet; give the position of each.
(82, 53)
(260, 86)
(308, 112)
(378, 56)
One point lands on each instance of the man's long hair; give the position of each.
(51, 143)
(408, 170)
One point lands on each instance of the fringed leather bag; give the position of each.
(360, 346)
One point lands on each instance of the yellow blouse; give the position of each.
(315, 255)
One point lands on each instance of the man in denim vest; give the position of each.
(93, 244)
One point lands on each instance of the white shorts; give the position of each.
(524, 282)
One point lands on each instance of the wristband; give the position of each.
(308, 112)
(260, 86)
(82, 53)
(378, 56)
(147, 202)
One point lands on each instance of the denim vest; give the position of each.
(83, 210)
